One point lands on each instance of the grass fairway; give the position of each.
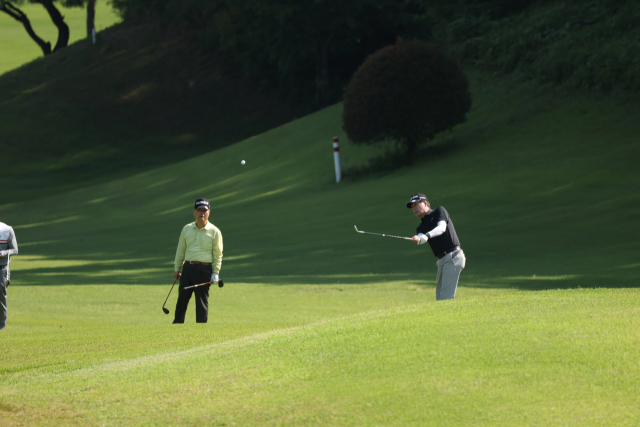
(320, 325)
(529, 358)
(17, 48)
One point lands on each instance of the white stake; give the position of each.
(93, 35)
(336, 158)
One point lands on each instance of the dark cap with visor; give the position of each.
(418, 197)
(202, 203)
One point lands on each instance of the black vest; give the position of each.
(445, 241)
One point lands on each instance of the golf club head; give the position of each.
(220, 283)
(166, 310)
(356, 229)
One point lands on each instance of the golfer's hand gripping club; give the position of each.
(420, 239)
(214, 277)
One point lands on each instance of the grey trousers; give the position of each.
(449, 268)
(4, 282)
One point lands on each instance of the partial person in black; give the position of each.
(436, 228)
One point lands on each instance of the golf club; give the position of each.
(166, 310)
(383, 235)
(220, 284)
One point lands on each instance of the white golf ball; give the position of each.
(242, 162)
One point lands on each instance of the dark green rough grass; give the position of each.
(589, 46)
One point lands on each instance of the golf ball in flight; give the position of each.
(242, 162)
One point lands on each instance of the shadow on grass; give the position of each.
(87, 275)
(541, 283)
(393, 160)
(126, 269)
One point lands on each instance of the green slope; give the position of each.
(142, 97)
(543, 193)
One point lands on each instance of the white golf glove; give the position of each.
(214, 278)
(423, 239)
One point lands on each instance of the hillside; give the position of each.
(149, 94)
(529, 177)
(140, 98)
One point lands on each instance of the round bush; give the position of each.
(406, 93)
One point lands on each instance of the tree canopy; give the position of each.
(294, 37)
(308, 47)
(407, 93)
(301, 46)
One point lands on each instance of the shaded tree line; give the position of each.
(283, 42)
(303, 47)
(308, 47)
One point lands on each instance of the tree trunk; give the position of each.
(20, 16)
(410, 148)
(91, 17)
(58, 20)
(322, 78)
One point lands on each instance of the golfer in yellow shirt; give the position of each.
(199, 256)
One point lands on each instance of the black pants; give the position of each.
(194, 274)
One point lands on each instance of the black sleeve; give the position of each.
(441, 214)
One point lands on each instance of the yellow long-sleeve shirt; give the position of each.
(204, 245)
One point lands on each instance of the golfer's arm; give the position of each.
(217, 253)
(182, 247)
(12, 246)
(438, 231)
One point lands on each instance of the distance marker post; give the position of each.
(336, 158)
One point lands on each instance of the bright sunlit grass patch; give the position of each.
(544, 358)
(17, 48)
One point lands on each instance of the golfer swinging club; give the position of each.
(199, 254)
(437, 229)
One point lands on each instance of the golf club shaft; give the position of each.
(195, 286)
(174, 283)
(165, 301)
(220, 284)
(383, 235)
